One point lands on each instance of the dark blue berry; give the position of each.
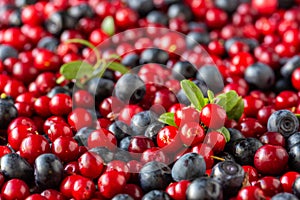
(8, 112)
(154, 55)
(284, 122)
(130, 88)
(49, 43)
(227, 5)
(122, 155)
(296, 187)
(48, 171)
(81, 10)
(153, 129)
(183, 70)
(230, 175)
(141, 6)
(124, 143)
(104, 153)
(100, 88)
(58, 90)
(154, 176)
(131, 60)
(7, 51)
(156, 195)
(204, 188)
(235, 134)
(189, 167)
(12, 165)
(260, 76)
(141, 121)
(82, 135)
(292, 140)
(284, 196)
(292, 64)
(212, 78)
(120, 129)
(157, 17)
(197, 38)
(122, 197)
(294, 157)
(180, 10)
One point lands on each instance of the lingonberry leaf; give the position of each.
(193, 93)
(167, 118)
(225, 132)
(227, 100)
(210, 96)
(237, 111)
(115, 66)
(108, 25)
(76, 70)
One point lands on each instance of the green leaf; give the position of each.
(115, 66)
(211, 96)
(76, 70)
(193, 93)
(236, 112)
(225, 132)
(108, 25)
(227, 100)
(86, 43)
(167, 118)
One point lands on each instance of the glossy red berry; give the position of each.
(252, 173)
(265, 7)
(16, 135)
(215, 140)
(177, 190)
(191, 133)
(252, 105)
(250, 127)
(168, 138)
(102, 138)
(270, 159)
(66, 148)
(287, 180)
(46, 60)
(286, 99)
(15, 189)
(272, 138)
(186, 114)
(213, 116)
(36, 197)
(41, 106)
(60, 104)
(250, 192)
(90, 165)
(296, 79)
(83, 188)
(154, 154)
(79, 118)
(269, 185)
(111, 183)
(52, 194)
(83, 99)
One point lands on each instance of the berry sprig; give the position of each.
(230, 101)
(81, 71)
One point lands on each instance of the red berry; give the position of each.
(186, 114)
(168, 138)
(102, 138)
(60, 104)
(80, 118)
(66, 148)
(41, 106)
(213, 116)
(269, 185)
(15, 189)
(52, 194)
(90, 165)
(250, 192)
(287, 180)
(191, 133)
(177, 190)
(265, 6)
(252, 106)
(285, 100)
(83, 188)
(273, 138)
(215, 140)
(36, 197)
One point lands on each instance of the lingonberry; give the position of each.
(264, 113)
(46, 60)
(52, 120)
(252, 105)
(24, 109)
(207, 153)
(250, 127)
(287, 180)
(273, 138)
(90, 165)
(213, 116)
(24, 72)
(110, 106)
(269, 185)
(60, 104)
(168, 138)
(67, 184)
(215, 140)
(3, 151)
(16, 135)
(14, 88)
(111, 183)
(125, 18)
(102, 138)
(139, 144)
(191, 133)
(45, 82)
(52, 194)
(133, 190)
(71, 168)
(252, 173)
(15, 38)
(296, 79)
(36, 197)
(22, 121)
(83, 188)
(186, 114)
(270, 159)
(15, 189)
(65, 148)
(285, 100)
(79, 118)
(41, 106)
(83, 99)
(177, 190)
(59, 129)
(216, 18)
(154, 154)
(250, 192)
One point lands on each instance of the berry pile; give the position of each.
(149, 99)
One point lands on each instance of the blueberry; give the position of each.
(195, 38)
(12, 165)
(196, 26)
(284, 122)
(48, 171)
(180, 10)
(122, 155)
(154, 55)
(157, 17)
(154, 176)
(204, 188)
(21, 3)
(227, 5)
(292, 64)
(14, 18)
(104, 153)
(296, 187)
(284, 196)
(292, 140)
(130, 88)
(49, 43)
(156, 195)
(7, 51)
(243, 150)
(141, 6)
(100, 88)
(224, 155)
(122, 197)
(285, 4)
(131, 60)
(124, 143)
(260, 75)
(235, 134)
(283, 84)
(182, 97)
(183, 70)
(141, 121)
(8, 112)
(189, 167)
(212, 78)
(82, 135)
(58, 90)
(120, 129)
(153, 129)
(80, 11)
(294, 157)
(230, 175)
(59, 21)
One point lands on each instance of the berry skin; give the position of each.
(286, 100)
(269, 185)
(177, 190)
(287, 180)
(60, 104)
(284, 122)
(90, 165)
(186, 114)
(215, 140)
(83, 188)
(252, 105)
(296, 79)
(65, 148)
(273, 138)
(213, 116)
(191, 133)
(188, 167)
(52, 194)
(168, 139)
(15, 189)
(111, 183)
(270, 159)
(79, 118)
(250, 192)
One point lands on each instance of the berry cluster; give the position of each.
(149, 99)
